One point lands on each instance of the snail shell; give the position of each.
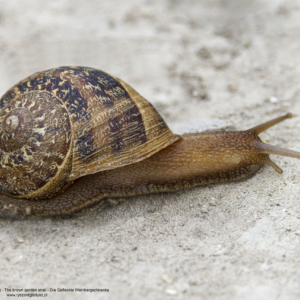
(65, 123)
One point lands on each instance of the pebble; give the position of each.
(273, 99)
(213, 202)
(204, 209)
(171, 292)
(167, 278)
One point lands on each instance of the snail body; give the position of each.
(71, 137)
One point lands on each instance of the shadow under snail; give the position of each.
(71, 137)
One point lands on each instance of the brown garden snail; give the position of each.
(80, 125)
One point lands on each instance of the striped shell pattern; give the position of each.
(64, 123)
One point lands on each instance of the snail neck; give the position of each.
(195, 159)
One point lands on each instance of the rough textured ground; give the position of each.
(227, 64)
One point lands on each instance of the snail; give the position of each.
(71, 137)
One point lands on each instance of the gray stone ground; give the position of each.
(209, 63)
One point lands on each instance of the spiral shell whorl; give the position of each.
(11, 123)
(16, 129)
(35, 138)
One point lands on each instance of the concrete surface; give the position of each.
(210, 63)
